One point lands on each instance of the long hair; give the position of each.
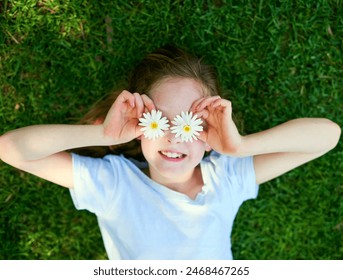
(165, 62)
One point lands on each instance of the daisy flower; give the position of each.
(187, 126)
(153, 124)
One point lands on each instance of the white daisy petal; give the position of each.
(153, 124)
(186, 126)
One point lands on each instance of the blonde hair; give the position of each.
(165, 62)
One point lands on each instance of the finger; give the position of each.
(195, 104)
(126, 97)
(221, 102)
(148, 103)
(139, 104)
(224, 105)
(203, 136)
(202, 114)
(206, 102)
(138, 131)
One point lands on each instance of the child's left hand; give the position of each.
(220, 131)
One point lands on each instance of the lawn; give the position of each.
(277, 60)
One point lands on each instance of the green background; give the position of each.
(277, 60)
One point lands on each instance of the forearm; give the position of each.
(39, 141)
(307, 135)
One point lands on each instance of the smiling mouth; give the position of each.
(172, 155)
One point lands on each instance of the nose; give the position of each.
(171, 137)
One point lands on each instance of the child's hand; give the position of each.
(121, 122)
(220, 132)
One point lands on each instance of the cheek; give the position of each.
(145, 145)
(148, 148)
(197, 149)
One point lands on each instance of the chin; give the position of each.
(174, 173)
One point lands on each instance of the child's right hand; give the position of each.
(121, 122)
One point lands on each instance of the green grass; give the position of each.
(277, 60)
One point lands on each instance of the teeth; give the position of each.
(172, 155)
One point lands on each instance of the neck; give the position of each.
(189, 184)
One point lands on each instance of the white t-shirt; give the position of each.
(141, 219)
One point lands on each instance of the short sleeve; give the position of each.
(243, 172)
(236, 175)
(95, 183)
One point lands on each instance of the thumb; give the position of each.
(203, 136)
(138, 132)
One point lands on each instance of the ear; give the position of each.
(208, 148)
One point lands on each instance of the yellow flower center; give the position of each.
(154, 125)
(186, 128)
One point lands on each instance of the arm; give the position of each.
(305, 135)
(39, 149)
(286, 146)
(276, 150)
(38, 141)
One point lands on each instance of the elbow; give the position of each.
(3, 147)
(7, 150)
(333, 134)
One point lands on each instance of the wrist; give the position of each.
(237, 146)
(242, 149)
(105, 135)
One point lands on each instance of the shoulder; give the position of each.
(108, 166)
(108, 160)
(228, 163)
(100, 183)
(236, 172)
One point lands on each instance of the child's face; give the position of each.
(172, 96)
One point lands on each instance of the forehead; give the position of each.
(174, 95)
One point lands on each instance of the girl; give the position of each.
(176, 203)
